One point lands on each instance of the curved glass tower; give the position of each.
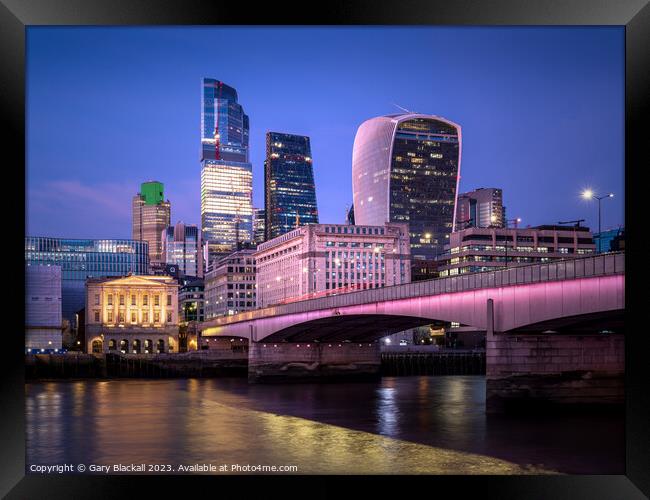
(405, 168)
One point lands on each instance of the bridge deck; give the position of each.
(568, 269)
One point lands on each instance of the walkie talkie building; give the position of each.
(406, 168)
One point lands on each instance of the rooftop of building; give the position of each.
(191, 283)
(543, 227)
(133, 279)
(298, 231)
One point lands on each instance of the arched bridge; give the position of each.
(534, 297)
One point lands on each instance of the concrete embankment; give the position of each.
(79, 365)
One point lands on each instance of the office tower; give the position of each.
(259, 222)
(290, 193)
(482, 207)
(226, 174)
(43, 319)
(151, 214)
(478, 249)
(82, 259)
(182, 246)
(405, 168)
(230, 285)
(322, 259)
(191, 303)
(350, 215)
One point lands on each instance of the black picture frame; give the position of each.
(16, 15)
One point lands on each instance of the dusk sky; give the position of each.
(541, 110)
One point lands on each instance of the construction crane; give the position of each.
(575, 222)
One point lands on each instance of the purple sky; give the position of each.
(542, 111)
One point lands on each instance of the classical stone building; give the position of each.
(132, 314)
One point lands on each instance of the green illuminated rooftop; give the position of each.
(152, 192)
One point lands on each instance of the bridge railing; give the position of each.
(581, 267)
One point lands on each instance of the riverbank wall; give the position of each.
(183, 365)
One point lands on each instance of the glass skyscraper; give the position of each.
(81, 259)
(226, 174)
(259, 222)
(405, 168)
(290, 192)
(182, 247)
(482, 207)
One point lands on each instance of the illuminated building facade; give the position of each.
(230, 285)
(482, 207)
(290, 192)
(226, 174)
(405, 168)
(486, 249)
(132, 315)
(259, 223)
(330, 259)
(182, 247)
(43, 319)
(81, 259)
(150, 215)
(190, 300)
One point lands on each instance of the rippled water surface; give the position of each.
(401, 425)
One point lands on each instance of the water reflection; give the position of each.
(407, 425)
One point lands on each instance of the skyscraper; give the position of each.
(151, 214)
(182, 247)
(405, 168)
(482, 207)
(349, 215)
(226, 174)
(290, 192)
(259, 222)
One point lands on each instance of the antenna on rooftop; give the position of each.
(402, 108)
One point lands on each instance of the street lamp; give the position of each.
(588, 194)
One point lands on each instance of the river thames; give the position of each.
(400, 425)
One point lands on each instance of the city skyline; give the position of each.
(577, 88)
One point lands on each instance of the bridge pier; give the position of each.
(288, 361)
(531, 370)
